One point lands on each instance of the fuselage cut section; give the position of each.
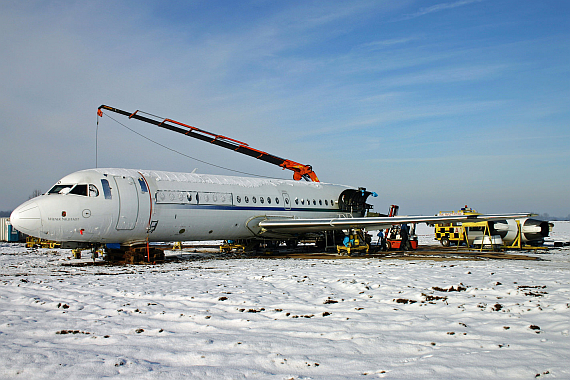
(130, 206)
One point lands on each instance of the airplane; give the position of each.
(128, 208)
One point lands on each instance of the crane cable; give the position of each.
(165, 147)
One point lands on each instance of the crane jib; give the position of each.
(300, 170)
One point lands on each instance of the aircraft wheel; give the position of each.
(445, 242)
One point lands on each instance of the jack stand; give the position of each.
(76, 253)
(518, 241)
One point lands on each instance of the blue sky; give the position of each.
(432, 104)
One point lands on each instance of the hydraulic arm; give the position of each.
(299, 170)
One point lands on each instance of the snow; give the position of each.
(248, 182)
(202, 317)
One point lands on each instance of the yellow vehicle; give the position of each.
(468, 233)
(355, 241)
(230, 245)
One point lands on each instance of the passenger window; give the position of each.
(314, 202)
(326, 202)
(246, 199)
(276, 200)
(296, 201)
(238, 198)
(320, 202)
(79, 190)
(254, 199)
(302, 201)
(268, 200)
(93, 191)
(106, 189)
(261, 200)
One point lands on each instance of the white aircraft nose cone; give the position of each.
(27, 219)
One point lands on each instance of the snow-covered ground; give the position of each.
(286, 319)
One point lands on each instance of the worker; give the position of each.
(348, 242)
(381, 240)
(405, 243)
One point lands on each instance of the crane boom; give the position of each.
(299, 170)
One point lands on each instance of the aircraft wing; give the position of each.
(328, 224)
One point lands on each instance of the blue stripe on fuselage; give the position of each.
(242, 208)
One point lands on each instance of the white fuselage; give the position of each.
(129, 206)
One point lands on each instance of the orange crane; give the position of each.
(300, 171)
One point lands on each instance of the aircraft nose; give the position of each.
(27, 218)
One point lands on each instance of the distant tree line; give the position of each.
(547, 217)
(35, 193)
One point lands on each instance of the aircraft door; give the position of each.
(128, 203)
(286, 200)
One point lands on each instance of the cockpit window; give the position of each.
(60, 189)
(79, 190)
(93, 191)
(106, 188)
(143, 186)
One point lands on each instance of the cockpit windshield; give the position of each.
(60, 189)
(78, 189)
